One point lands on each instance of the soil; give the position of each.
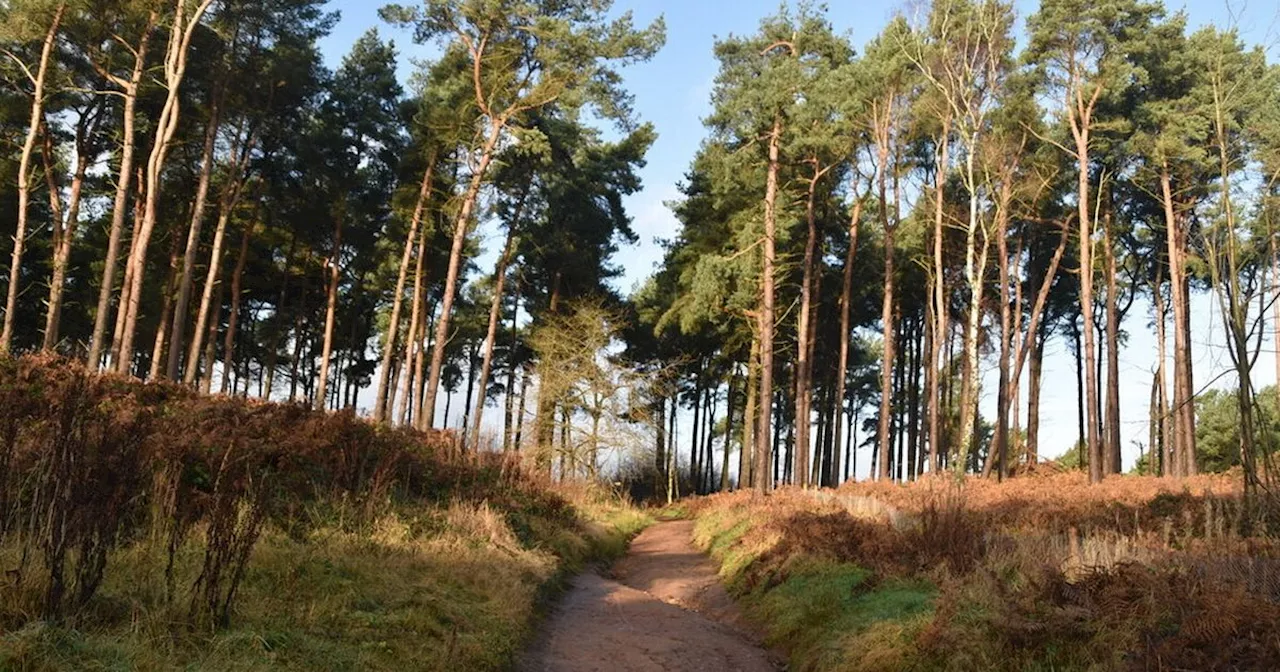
(662, 607)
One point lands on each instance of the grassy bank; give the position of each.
(219, 534)
(1039, 575)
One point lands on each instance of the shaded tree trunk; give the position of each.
(233, 319)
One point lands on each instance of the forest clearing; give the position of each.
(560, 334)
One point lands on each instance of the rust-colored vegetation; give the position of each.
(1038, 572)
(147, 527)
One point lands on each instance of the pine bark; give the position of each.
(173, 368)
(460, 228)
(175, 66)
(393, 326)
(24, 177)
(233, 319)
(106, 288)
(65, 228)
(766, 315)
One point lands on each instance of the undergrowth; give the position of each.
(935, 577)
(143, 527)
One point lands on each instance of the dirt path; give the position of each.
(664, 609)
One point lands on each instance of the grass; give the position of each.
(824, 611)
(453, 588)
(145, 527)
(1038, 576)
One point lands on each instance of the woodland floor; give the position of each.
(661, 607)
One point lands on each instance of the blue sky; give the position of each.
(672, 91)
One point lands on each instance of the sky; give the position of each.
(673, 90)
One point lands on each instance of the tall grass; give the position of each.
(945, 575)
(148, 527)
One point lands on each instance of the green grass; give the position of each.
(827, 615)
(435, 589)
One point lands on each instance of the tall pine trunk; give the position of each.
(460, 228)
(120, 206)
(941, 311)
(175, 67)
(886, 314)
(495, 314)
(65, 233)
(24, 177)
(766, 315)
(846, 301)
(193, 242)
(804, 337)
(393, 326)
(331, 308)
(233, 319)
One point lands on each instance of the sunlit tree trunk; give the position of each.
(121, 203)
(460, 228)
(65, 228)
(175, 67)
(381, 402)
(24, 174)
(173, 368)
(941, 311)
(766, 316)
(334, 267)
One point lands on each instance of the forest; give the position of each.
(195, 197)
(358, 299)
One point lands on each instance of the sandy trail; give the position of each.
(664, 609)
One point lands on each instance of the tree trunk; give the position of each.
(524, 390)
(193, 241)
(766, 316)
(413, 339)
(166, 309)
(24, 177)
(1094, 444)
(393, 326)
(511, 372)
(206, 377)
(846, 300)
(804, 330)
(233, 319)
(941, 309)
(1183, 408)
(460, 228)
(746, 458)
(121, 203)
(975, 274)
(466, 400)
(495, 313)
(175, 66)
(65, 237)
(1033, 396)
(887, 325)
(1113, 461)
(331, 307)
